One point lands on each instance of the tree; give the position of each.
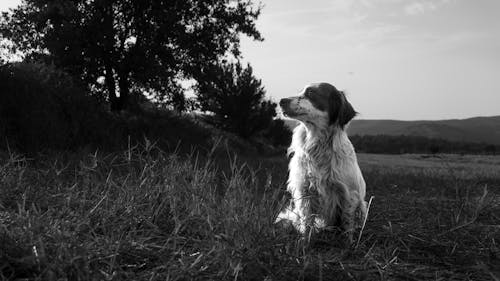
(236, 98)
(434, 148)
(146, 45)
(490, 149)
(278, 133)
(42, 107)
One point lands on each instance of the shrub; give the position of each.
(278, 133)
(236, 98)
(42, 107)
(417, 144)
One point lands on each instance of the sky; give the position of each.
(395, 59)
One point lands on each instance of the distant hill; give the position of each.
(477, 129)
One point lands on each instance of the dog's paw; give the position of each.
(285, 226)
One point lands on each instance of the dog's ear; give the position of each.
(340, 110)
(347, 112)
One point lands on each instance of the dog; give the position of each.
(325, 181)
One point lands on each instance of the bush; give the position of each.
(278, 133)
(417, 144)
(236, 98)
(42, 107)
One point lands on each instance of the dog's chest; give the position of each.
(322, 168)
(317, 170)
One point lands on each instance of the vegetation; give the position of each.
(143, 214)
(278, 133)
(236, 98)
(113, 53)
(147, 45)
(475, 129)
(416, 144)
(42, 108)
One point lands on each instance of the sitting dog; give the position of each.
(325, 182)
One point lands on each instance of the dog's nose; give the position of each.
(284, 102)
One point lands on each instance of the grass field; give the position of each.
(143, 214)
(467, 167)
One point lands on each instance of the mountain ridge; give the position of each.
(479, 129)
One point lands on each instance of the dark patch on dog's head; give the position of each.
(326, 97)
(342, 110)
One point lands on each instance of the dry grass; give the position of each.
(450, 166)
(148, 215)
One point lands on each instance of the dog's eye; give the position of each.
(307, 94)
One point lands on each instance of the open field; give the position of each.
(143, 214)
(468, 167)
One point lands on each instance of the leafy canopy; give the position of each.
(146, 45)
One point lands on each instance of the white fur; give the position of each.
(325, 181)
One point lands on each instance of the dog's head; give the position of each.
(319, 104)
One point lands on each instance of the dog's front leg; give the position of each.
(302, 208)
(348, 221)
(298, 212)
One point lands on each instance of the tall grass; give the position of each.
(139, 214)
(143, 214)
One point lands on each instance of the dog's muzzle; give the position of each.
(288, 111)
(285, 106)
(285, 103)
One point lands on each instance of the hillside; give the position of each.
(477, 129)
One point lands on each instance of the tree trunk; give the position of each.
(124, 86)
(111, 86)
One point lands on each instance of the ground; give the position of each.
(143, 214)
